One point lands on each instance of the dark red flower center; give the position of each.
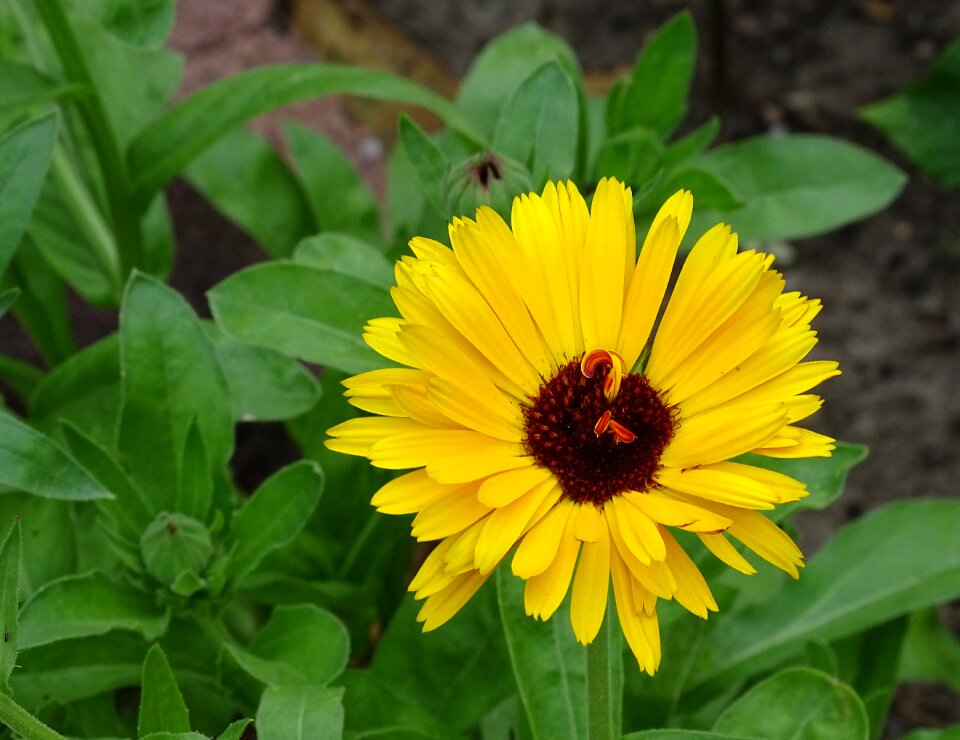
(598, 444)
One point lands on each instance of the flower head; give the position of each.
(535, 421)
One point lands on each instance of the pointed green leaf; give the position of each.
(30, 461)
(264, 385)
(502, 66)
(85, 391)
(128, 502)
(540, 124)
(245, 179)
(692, 144)
(682, 735)
(196, 481)
(235, 730)
(71, 670)
(300, 645)
(161, 704)
(274, 514)
(797, 185)
(797, 703)
(167, 145)
(548, 665)
(923, 119)
(300, 713)
(347, 255)
(430, 165)
(89, 604)
(9, 601)
(339, 200)
(655, 94)
(931, 651)
(316, 315)
(24, 159)
(170, 377)
(631, 156)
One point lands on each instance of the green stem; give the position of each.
(600, 716)
(123, 214)
(23, 723)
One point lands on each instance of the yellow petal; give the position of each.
(503, 421)
(411, 492)
(544, 592)
(414, 449)
(441, 606)
(631, 618)
(692, 592)
(588, 601)
(678, 514)
(639, 532)
(505, 488)
(358, 436)
(588, 523)
(722, 482)
(505, 525)
(727, 553)
(381, 336)
(448, 516)
(539, 547)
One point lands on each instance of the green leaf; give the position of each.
(346, 255)
(41, 308)
(902, 557)
(24, 159)
(824, 477)
(85, 391)
(548, 666)
(22, 85)
(316, 315)
(248, 182)
(300, 645)
(196, 479)
(174, 544)
(632, 156)
(797, 185)
(949, 733)
(654, 96)
(469, 666)
(9, 601)
(338, 199)
(19, 375)
(300, 713)
(174, 736)
(70, 670)
(373, 711)
(161, 704)
(923, 119)
(539, 124)
(30, 461)
(170, 378)
(175, 138)
(798, 703)
(709, 191)
(264, 385)
(235, 730)
(502, 66)
(49, 538)
(143, 24)
(430, 165)
(85, 605)
(931, 651)
(692, 144)
(274, 515)
(128, 501)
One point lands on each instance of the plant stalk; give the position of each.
(23, 723)
(600, 715)
(124, 216)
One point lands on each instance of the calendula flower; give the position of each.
(535, 421)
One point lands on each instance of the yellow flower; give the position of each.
(531, 421)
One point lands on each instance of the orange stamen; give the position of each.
(621, 433)
(602, 423)
(597, 358)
